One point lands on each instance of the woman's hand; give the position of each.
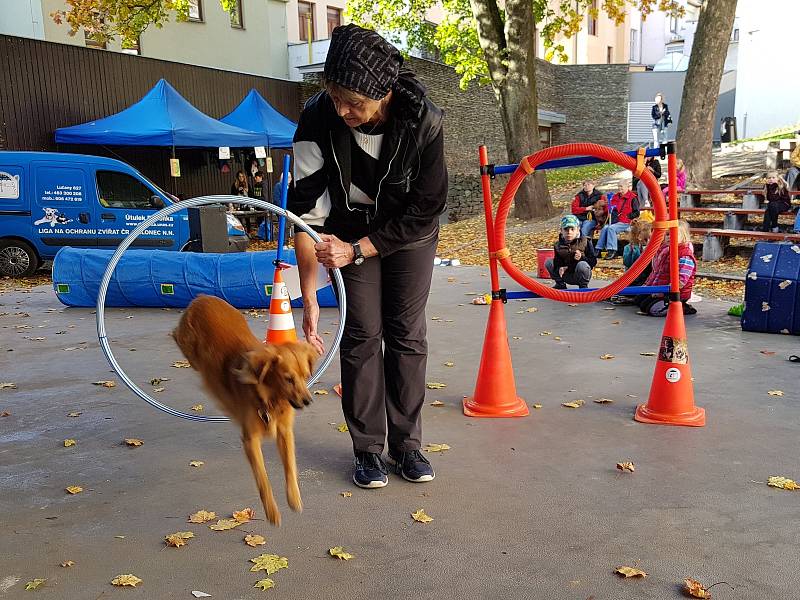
(333, 253)
(310, 320)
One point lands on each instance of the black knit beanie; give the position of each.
(362, 61)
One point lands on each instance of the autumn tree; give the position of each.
(699, 100)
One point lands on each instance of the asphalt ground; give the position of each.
(530, 507)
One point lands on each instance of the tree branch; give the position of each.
(492, 37)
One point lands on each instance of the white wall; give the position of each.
(767, 88)
(22, 18)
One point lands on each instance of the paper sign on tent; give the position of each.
(291, 277)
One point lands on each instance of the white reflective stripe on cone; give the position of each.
(280, 322)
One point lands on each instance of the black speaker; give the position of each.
(208, 228)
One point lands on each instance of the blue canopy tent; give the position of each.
(256, 114)
(162, 118)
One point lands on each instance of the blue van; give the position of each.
(49, 200)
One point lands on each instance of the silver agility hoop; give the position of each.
(165, 212)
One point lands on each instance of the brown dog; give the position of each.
(257, 385)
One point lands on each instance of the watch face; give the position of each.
(359, 260)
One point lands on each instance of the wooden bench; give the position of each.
(751, 197)
(733, 218)
(715, 240)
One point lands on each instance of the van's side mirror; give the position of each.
(157, 202)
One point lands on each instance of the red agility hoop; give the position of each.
(527, 166)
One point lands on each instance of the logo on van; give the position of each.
(9, 186)
(53, 217)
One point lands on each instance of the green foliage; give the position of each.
(575, 176)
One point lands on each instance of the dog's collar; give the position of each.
(264, 415)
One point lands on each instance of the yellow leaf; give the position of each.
(573, 404)
(449, 364)
(264, 584)
(435, 385)
(320, 392)
(775, 393)
(74, 489)
(244, 515)
(630, 572)
(346, 494)
(254, 540)
(181, 364)
(68, 563)
(436, 448)
(421, 517)
(647, 353)
(69, 442)
(224, 524)
(34, 584)
(123, 580)
(556, 338)
(782, 482)
(339, 553)
(437, 403)
(133, 442)
(603, 401)
(537, 406)
(8, 385)
(202, 516)
(607, 356)
(74, 414)
(105, 383)
(5, 413)
(178, 539)
(436, 318)
(626, 466)
(545, 333)
(696, 589)
(342, 428)
(616, 322)
(532, 309)
(196, 463)
(270, 563)
(158, 380)
(197, 408)
(158, 390)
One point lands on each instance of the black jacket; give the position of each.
(654, 112)
(412, 192)
(565, 253)
(655, 166)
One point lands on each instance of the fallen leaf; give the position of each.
(616, 322)
(74, 489)
(537, 406)
(573, 404)
(158, 380)
(68, 443)
(34, 584)
(437, 403)
(76, 413)
(198, 594)
(775, 393)
(196, 463)
(436, 448)
(610, 308)
(767, 352)
(5, 413)
(421, 517)
(647, 353)
(342, 428)
(449, 364)
(783, 483)
(626, 467)
(436, 318)
(320, 392)
(120, 537)
(158, 390)
(532, 309)
(271, 563)
(181, 364)
(630, 572)
(435, 385)
(545, 333)
(68, 563)
(339, 553)
(178, 539)
(346, 494)
(516, 337)
(224, 524)
(105, 383)
(197, 407)
(254, 540)
(451, 279)
(696, 589)
(264, 584)
(7, 385)
(123, 580)
(133, 442)
(556, 338)
(607, 356)
(603, 401)
(244, 515)
(202, 516)
(572, 305)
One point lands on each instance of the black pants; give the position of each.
(384, 351)
(771, 212)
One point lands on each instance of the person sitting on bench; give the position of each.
(776, 194)
(587, 199)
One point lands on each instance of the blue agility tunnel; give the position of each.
(160, 279)
(772, 289)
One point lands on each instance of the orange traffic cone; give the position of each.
(495, 391)
(671, 399)
(280, 329)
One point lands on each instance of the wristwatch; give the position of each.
(358, 256)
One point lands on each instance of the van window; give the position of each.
(120, 190)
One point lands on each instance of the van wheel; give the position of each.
(17, 259)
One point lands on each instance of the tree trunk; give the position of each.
(701, 88)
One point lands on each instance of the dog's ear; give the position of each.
(253, 365)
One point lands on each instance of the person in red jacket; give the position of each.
(584, 207)
(622, 207)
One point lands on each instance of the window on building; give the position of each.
(673, 24)
(305, 17)
(132, 48)
(735, 36)
(675, 48)
(237, 17)
(609, 54)
(592, 24)
(545, 136)
(334, 19)
(195, 10)
(634, 46)
(120, 190)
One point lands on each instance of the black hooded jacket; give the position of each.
(412, 176)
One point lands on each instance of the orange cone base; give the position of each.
(517, 408)
(696, 418)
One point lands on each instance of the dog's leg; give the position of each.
(252, 448)
(285, 440)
